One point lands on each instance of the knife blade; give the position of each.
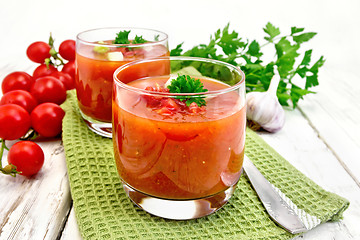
(277, 207)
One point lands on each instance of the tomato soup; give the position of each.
(94, 75)
(185, 154)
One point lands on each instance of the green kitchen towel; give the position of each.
(103, 210)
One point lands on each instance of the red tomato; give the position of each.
(43, 70)
(48, 89)
(17, 80)
(15, 121)
(47, 119)
(170, 104)
(67, 49)
(69, 68)
(27, 156)
(19, 97)
(65, 78)
(38, 51)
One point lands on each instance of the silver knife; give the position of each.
(280, 208)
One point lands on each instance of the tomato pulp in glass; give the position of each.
(183, 155)
(94, 76)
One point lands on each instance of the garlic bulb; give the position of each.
(264, 108)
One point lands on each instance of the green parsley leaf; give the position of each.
(307, 58)
(187, 84)
(304, 37)
(311, 80)
(138, 39)
(254, 49)
(296, 30)
(272, 31)
(229, 42)
(122, 37)
(176, 51)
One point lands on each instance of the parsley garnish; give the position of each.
(187, 84)
(138, 39)
(123, 38)
(229, 47)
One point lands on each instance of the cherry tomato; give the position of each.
(47, 119)
(48, 89)
(43, 70)
(15, 121)
(67, 49)
(27, 156)
(65, 78)
(69, 68)
(38, 51)
(19, 97)
(17, 80)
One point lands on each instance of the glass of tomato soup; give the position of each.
(179, 134)
(99, 52)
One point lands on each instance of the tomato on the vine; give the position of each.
(69, 68)
(27, 157)
(65, 78)
(38, 51)
(48, 89)
(67, 49)
(21, 98)
(15, 121)
(17, 80)
(43, 70)
(47, 119)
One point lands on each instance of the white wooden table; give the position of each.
(321, 138)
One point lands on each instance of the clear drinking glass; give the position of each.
(178, 160)
(97, 57)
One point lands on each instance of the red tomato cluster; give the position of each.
(33, 102)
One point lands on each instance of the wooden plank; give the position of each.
(36, 208)
(335, 112)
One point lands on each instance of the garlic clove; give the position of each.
(277, 121)
(264, 108)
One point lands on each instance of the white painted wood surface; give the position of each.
(322, 139)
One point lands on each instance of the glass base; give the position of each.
(102, 128)
(179, 209)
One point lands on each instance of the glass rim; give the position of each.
(163, 40)
(165, 94)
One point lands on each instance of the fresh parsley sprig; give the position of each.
(187, 84)
(138, 40)
(229, 47)
(123, 38)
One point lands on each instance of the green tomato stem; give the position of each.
(3, 146)
(8, 169)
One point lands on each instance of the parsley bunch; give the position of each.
(187, 84)
(123, 38)
(229, 47)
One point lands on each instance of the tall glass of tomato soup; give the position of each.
(179, 155)
(99, 52)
